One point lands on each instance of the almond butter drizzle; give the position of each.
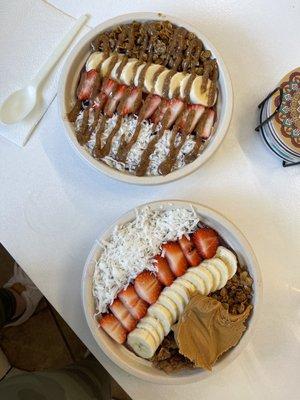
(73, 114)
(130, 40)
(84, 126)
(98, 135)
(187, 89)
(213, 86)
(193, 154)
(112, 63)
(121, 66)
(166, 85)
(96, 120)
(172, 46)
(145, 160)
(134, 71)
(167, 165)
(124, 147)
(142, 75)
(155, 76)
(207, 70)
(107, 147)
(181, 47)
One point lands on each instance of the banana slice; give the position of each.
(170, 305)
(149, 328)
(183, 85)
(127, 76)
(196, 95)
(229, 259)
(137, 74)
(162, 314)
(113, 73)
(175, 83)
(159, 84)
(182, 288)
(206, 276)
(148, 81)
(196, 281)
(94, 60)
(189, 286)
(218, 263)
(215, 273)
(176, 297)
(142, 342)
(105, 64)
(155, 325)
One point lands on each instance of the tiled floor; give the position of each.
(45, 340)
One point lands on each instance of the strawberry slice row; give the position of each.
(132, 303)
(112, 95)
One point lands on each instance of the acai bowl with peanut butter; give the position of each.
(145, 98)
(171, 292)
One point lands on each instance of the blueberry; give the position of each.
(85, 103)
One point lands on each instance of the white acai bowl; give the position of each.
(126, 359)
(67, 89)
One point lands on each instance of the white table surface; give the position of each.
(53, 206)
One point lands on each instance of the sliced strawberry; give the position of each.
(88, 85)
(160, 111)
(175, 257)
(207, 129)
(134, 304)
(123, 315)
(147, 287)
(132, 102)
(153, 102)
(139, 310)
(100, 101)
(198, 110)
(175, 107)
(113, 101)
(190, 251)
(108, 86)
(206, 241)
(113, 328)
(129, 297)
(164, 273)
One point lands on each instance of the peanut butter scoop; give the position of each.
(206, 330)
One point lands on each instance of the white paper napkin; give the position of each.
(29, 32)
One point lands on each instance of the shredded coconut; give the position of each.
(127, 130)
(131, 248)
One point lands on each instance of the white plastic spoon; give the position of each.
(20, 103)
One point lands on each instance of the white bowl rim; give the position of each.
(219, 134)
(248, 334)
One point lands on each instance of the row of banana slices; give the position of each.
(131, 74)
(209, 276)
